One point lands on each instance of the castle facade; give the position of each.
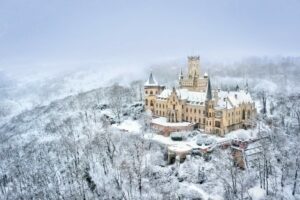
(215, 111)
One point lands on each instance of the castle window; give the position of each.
(151, 103)
(159, 105)
(146, 102)
(182, 106)
(199, 120)
(248, 114)
(195, 111)
(146, 92)
(163, 106)
(217, 124)
(203, 120)
(151, 92)
(173, 107)
(187, 119)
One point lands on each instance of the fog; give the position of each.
(52, 49)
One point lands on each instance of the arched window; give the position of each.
(151, 92)
(146, 102)
(146, 92)
(151, 103)
(244, 113)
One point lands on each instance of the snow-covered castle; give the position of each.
(214, 111)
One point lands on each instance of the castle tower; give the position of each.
(193, 81)
(209, 107)
(151, 88)
(194, 67)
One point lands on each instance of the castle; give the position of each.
(214, 111)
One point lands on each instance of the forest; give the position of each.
(68, 146)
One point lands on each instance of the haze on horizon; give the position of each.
(69, 34)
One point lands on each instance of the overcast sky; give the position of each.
(91, 32)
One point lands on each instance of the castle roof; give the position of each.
(184, 94)
(233, 98)
(151, 81)
(225, 99)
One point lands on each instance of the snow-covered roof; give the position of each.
(184, 94)
(233, 98)
(151, 81)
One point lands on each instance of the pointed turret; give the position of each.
(208, 91)
(181, 74)
(246, 87)
(174, 90)
(237, 88)
(151, 81)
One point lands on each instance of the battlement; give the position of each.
(193, 57)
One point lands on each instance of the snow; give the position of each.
(163, 121)
(191, 143)
(194, 188)
(184, 94)
(225, 99)
(233, 98)
(180, 147)
(257, 193)
(129, 125)
(176, 146)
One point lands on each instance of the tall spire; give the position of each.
(181, 74)
(246, 86)
(208, 91)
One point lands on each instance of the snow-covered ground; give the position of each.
(257, 193)
(129, 125)
(191, 142)
(163, 121)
